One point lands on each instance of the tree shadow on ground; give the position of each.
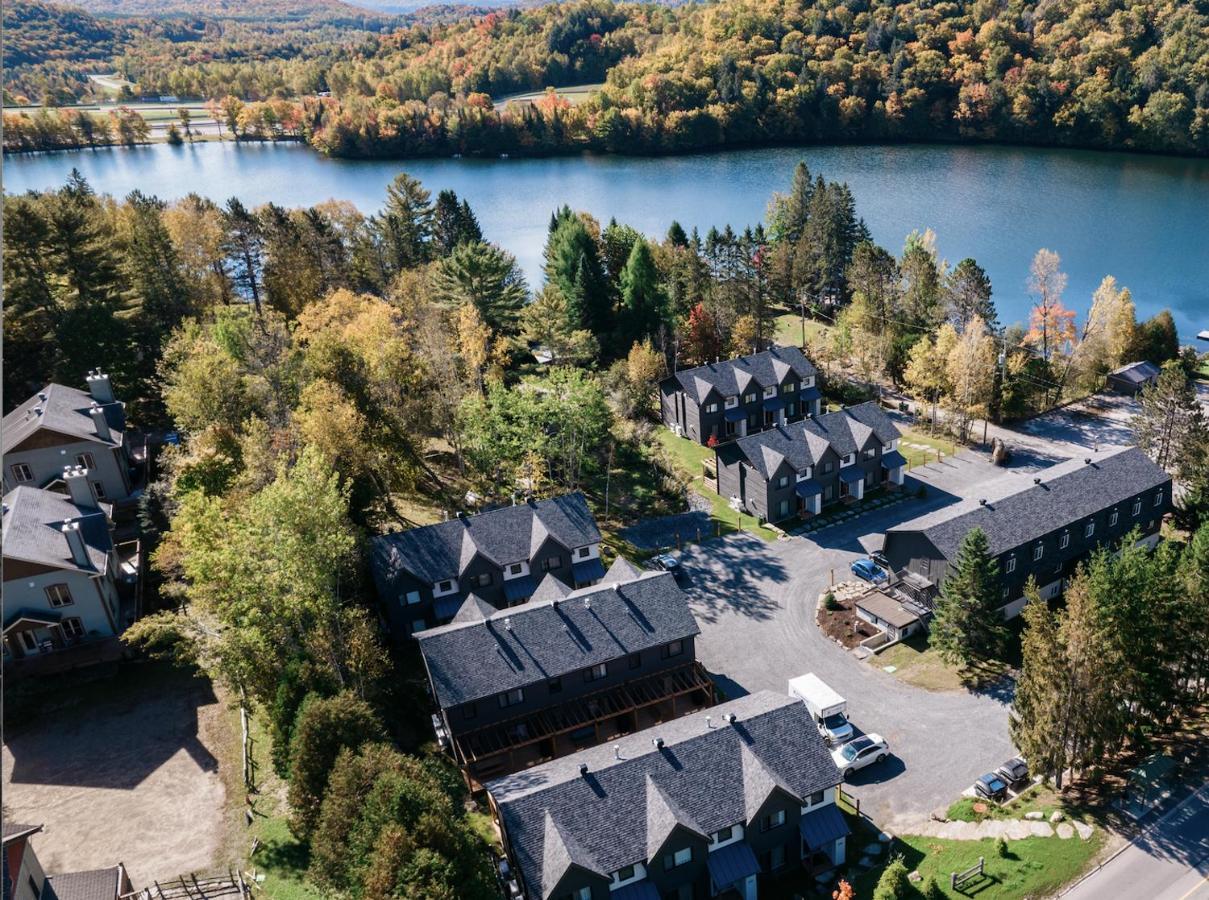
(724, 575)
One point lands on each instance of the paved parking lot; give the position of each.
(756, 602)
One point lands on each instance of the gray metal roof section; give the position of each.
(1137, 372)
(699, 772)
(1018, 511)
(887, 609)
(510, 534)
(64, 410)
(97, 884)
(731, 377)
(33, 523)
(804, 443)
(823, 826)
(526, 644)
(732, 864)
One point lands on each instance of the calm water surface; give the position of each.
(1143, 219)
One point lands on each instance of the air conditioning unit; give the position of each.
(678, 429)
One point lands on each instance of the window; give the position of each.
(58, 595)
(732, 402)
(827, 467)
(791, 409)
(550, 563)
(870, 453)
(1010, 566)
(515, 569)
(99, 490)
(412, 597)
(555, 685)
(749, 398)
(815, 799)
(483, 580)
(1137, 507)
(1004, 593)
(1113, 519)
(1158, 498)
(783, 481)
(624, 874)
(73, 627)
(1089, 529)
(773, 820)
(418, 625)
(22, 473)
(583, 893)
(788, 388)
(783, 509)
(722, 835)
(679, 858)
(85, 460)
(675, 648)
(1064, 541)
(596, 672)
(774, 858)
(583, 552)
(511, 698)
(635, 660)
(445, 586)
(470, 710)
(1038, 552)
(711, 407)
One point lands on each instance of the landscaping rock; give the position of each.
(1084, 830)
(1035, 815)
(1066, 831)
(1057, 816)
(914, 877)
(940, 814)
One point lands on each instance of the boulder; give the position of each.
(914, 877)
(1066, 831)
(1057, 816)
(1035, 815)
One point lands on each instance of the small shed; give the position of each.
(1130, 379)
(888, 614)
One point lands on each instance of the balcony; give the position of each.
(584, 721)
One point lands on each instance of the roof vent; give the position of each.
(42, 396)
(709, 721)
(982, 501)
(507, 623)
(583, 769)
(617, 751)
(587, 602)
(1087, 460)
(658, 742)
(37, 410)
(730, 718)
(1037, 479)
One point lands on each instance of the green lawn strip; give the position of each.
(918, 457)
(916, 663)
(688, 457)
(789, 330)
(1033, 867)
(1037, 798)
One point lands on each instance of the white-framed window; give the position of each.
(1113, 518)
(85, 460)
(515, 569)
(732, 402)
(788, 388)
(711, 407)
(58, 595)
(849, 459)
(773, 820)
(783, 481)
(627, 874)
(72, 627)
(1089, 529)
(411, 598)
(1158, 498)
(678, 858)
(1038, 552)
(595, 673)
(750, 398)
(870, 453)
(722, 835)
(675, 648)
(1064, 541)
(816, 798)
(99, 489)
(445, 586)
(511, 698)
(22, 473)
(583, 552)
(770, 391)
(808, 381)
(1137, 507)
(1010, 566)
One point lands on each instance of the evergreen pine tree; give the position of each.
(642, 300)
(1039, 725)
(967, 624)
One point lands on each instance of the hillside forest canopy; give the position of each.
(1131, 74)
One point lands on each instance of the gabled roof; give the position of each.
(473, 609)
(550, 588)
(621, 570)
(632, 797)
(96, 884)
(510, 534)
(803, 443)
(729, 378)
(33, 522)
(538, 640)
(63, 410)
(1137, 372)
(1018, 511)
(14, 830)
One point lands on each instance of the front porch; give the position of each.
(525, 741)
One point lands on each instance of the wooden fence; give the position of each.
(958, 880)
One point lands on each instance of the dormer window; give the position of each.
(808, 381)
(849, 459)
(445, 586)
(516, 569)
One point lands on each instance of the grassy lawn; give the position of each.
(917, 664)
(1033, 867)
(789, 330)
(1038, 798)
(928, 446)
(688, 457)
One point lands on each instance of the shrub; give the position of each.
(932, 891)
(324, 727)
(831, 603)
(894, 884)
(1001, 848)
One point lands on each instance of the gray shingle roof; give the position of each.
(1018, 511)
(705, 777)
(97, 884)
(538, 640)
(731, 377)
(506, 535)
(33, 521)
(64, 410)
(803, 443)
(1137, 372)
(14, 830)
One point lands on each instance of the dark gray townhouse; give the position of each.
(797, 469)
(424, 575)
(1041, 525)
(730, 399)
(63, 426)
(705, 806)
(518, 686)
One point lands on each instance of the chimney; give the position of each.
(658, 742)
(1037, 480)
(982, 501)
(583, 769)
(100, 422)
(99, 386)
(79, 487)
(730, 718)
(75, 540)
(709, 721)
(617, 751)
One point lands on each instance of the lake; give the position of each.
(1144, 219)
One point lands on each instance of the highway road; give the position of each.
(1170, 861)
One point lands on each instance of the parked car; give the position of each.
(990, 786)
(1014, 771)
(667, 562)
(866, 570)
(880, 558)
(864, 751)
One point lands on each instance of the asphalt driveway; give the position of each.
(755, 603)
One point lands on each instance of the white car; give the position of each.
(864, 751)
